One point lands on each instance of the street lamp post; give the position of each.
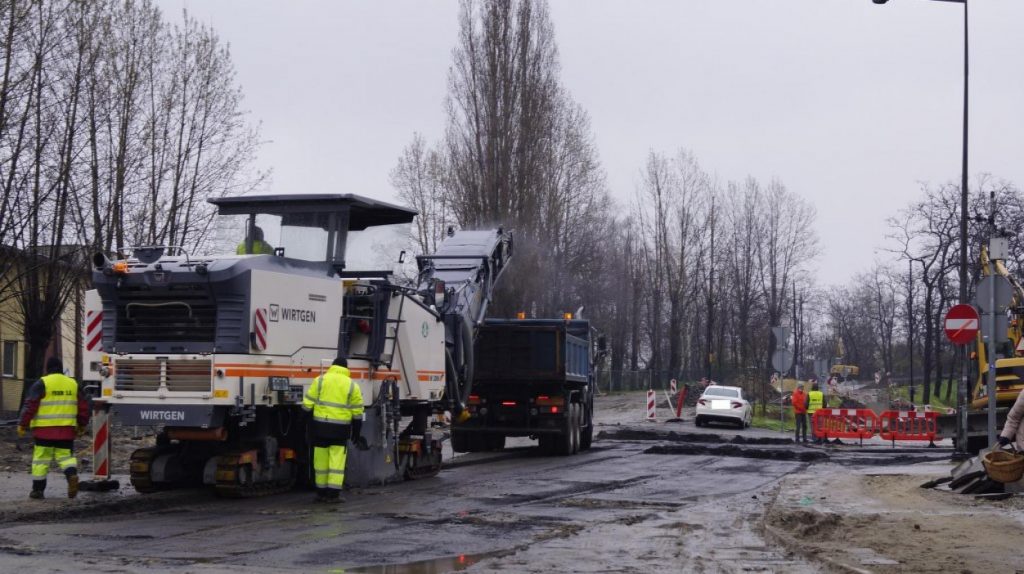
(910, 328)
(961, 397)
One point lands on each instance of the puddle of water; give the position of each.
(430, 566)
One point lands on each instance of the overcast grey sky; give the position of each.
(850, 104)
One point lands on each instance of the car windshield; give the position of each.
(722, 392)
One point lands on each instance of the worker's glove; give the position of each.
(1004, 441)
(21, 432)
(360, 443)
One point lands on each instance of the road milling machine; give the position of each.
(216, 352)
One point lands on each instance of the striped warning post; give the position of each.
(100, 441)
(259, 334)
(651, 405)
(94, 330)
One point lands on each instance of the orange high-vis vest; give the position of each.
(799, 402)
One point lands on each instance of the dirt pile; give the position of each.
(807, 524)
(887, 524)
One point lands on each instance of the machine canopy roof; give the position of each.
(313, 210)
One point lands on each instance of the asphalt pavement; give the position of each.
(649, 497)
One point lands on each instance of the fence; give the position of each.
(865, 423)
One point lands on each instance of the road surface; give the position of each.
(649, 497)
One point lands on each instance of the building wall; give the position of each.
(12, 330)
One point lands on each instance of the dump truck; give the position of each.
(216, 352)
(534, 378)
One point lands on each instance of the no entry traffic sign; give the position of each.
(961, 324)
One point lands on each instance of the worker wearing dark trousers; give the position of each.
(800, 400)
(336, 404)
(815, 401)
(54, 410)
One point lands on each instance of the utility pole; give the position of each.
(796, 337)
(910, 328)
(962, 398)
(711, 290)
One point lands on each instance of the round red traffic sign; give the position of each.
(962, 324)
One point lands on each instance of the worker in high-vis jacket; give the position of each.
(336, 404)
(259, 246)
(55, 411)
(815, 401)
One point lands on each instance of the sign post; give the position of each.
(961, 325)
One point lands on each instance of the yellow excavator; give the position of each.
(1009, 370)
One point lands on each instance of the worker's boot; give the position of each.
(38, 486)
(333, 497)
(72, 485)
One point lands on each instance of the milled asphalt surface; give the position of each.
(646, 498)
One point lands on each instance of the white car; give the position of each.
(723, 404)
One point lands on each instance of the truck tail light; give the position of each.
(508, 403)
(549, 401)
(554, 410)
(474, 399)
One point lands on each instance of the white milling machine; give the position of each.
(217, 351)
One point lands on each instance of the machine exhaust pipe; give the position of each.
(100, 261)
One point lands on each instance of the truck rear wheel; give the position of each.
(587, 433)
(564, 439)
(576, 417)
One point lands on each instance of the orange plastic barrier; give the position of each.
(909, 425)
(845, 423)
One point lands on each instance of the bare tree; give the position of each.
(419, 179)
(114, 128)
(787, 243)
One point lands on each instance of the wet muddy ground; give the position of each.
(649, 497)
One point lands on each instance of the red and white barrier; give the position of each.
(864, 423)
(679, 403)
(652, 399)
(845, 423)
(100, 441)
(100, 481)
(909, 425)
